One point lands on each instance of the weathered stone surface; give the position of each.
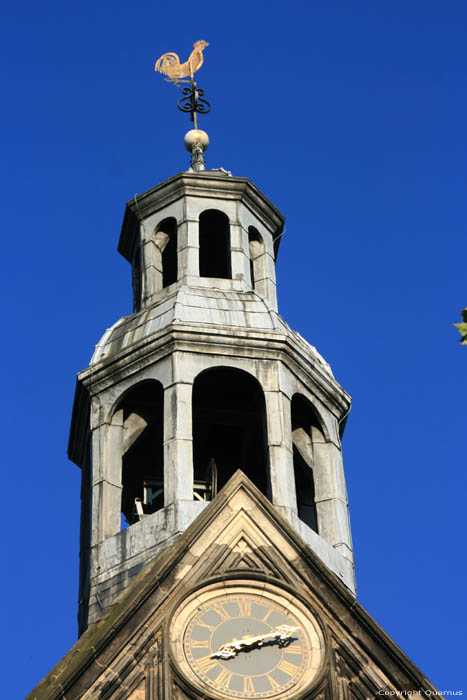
(192, 325)
(192, 305)
(238, 538)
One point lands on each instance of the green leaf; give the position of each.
(462, 327)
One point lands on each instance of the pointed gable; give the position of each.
(239, 537)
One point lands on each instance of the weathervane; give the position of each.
(196, 141)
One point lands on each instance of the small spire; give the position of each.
(196, 142)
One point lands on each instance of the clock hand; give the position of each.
(230, 649)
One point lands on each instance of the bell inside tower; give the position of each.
(139, 416)
(229, 426)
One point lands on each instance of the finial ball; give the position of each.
(195, 136)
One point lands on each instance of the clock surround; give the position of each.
(273, 645)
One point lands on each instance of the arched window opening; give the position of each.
(140, 415)
(305, 489)
(214, 245)
(229, 426)
(305, 430)
(166, 241)
(136, 279)
(256, 250)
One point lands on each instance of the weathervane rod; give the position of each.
(192, 101)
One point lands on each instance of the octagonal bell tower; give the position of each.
(204, 378)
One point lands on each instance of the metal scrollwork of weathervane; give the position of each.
(192, 102)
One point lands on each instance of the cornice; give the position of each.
(234, 342)
(186, 338)
(206, 184)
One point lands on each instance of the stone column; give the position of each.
(280, 451)
(188, 248)
(178, 443)
(246, 258)
(331, 496)
(107, 478)
(151, 263)
(239, 260)
(268, 284)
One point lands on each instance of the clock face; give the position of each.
(247, 641)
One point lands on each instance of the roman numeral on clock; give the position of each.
(199, 644)
(248, 686)
(244, 606)
(220, 610)
(224, 678)
(203, 624)
(273, 683)
(205, 663)
(288, 668)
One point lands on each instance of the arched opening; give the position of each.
(166, 241)
(214, 245)
(305, 430)
(140, 418)
(256, 250)
(229, 426)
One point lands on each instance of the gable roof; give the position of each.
(240, 533)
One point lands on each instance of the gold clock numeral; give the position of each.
(273, 683)
(220, 610)
(288, 668)
(203, 624)
(244, 605)
(197, 644)
(269, 612)
(205, 663)
(248, 686)
(224, 678)
(293, 650)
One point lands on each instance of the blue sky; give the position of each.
(350, 116)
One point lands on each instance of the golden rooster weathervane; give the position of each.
(169, 64)
(196, 141)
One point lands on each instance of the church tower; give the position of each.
(204, 378)
(216, 556)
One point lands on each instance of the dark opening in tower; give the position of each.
(140, 417)
(214, 245)
(229, 426)
(166, 240)
(305, 429)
